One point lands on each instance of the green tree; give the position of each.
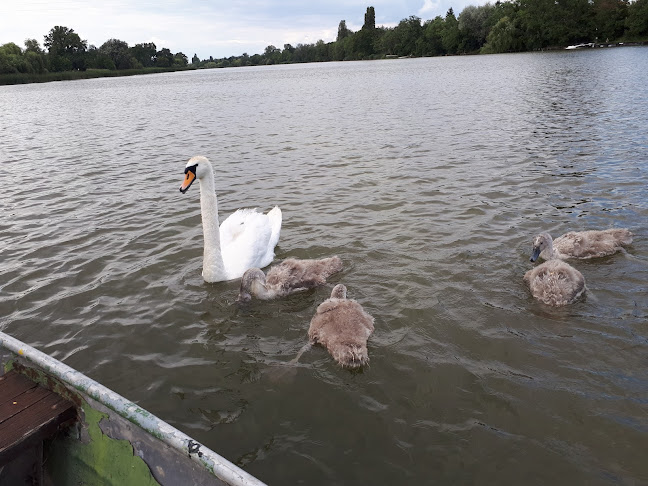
(97, 60)
(32, 45)
(432, 40)
(272, 54)
(609, 18)
(408, 32)
(637, 21)
(195, 60)
(145, 53)
(473, 22)
(287, 53)
(370, 19)
(450, 37)
(11, 59)
(61, 40)
(59, 64)
(181, 60)
(341, 49)
(546, 23)
(362, 44)
(503, 37)
(117, 50)
(503, 9)
(388, 42)
(35, 56)
(539, 22)
(164, 58)
(36, 62)
(577, 16)
(322, 51)
(66, 49)
(305, 53)
(343, 31)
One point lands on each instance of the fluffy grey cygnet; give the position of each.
(291, 275)
(581, 244)
(342, 326)
(554, 282)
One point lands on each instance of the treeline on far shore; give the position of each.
(27, 78)
(66, 56)
(505, 26)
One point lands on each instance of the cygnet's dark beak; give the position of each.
(243, 297)
(536, 254)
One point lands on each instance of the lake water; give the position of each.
(429, 178)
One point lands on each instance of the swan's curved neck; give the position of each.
(213, 267)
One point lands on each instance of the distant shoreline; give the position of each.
(30, 78)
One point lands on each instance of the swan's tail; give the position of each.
(275, 224)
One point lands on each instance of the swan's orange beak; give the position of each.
(190, 176)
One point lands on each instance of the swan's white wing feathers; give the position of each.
(275, 218)
(234, 226)
(245, 241)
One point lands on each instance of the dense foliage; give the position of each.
(65, 51)
(506, 26)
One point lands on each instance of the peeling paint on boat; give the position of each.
(100, 460)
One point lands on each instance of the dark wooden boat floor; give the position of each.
(29, 413)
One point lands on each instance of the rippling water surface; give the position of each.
(429, 177)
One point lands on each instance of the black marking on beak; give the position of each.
(536, 253)
(191, 169)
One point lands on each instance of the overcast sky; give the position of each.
(207, 27)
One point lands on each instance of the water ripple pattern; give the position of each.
(429, 178)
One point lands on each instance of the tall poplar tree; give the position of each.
(343, 31)
(370, 19)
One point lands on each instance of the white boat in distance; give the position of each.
(580, 46)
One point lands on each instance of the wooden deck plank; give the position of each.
(39, 414)
(36, 415)
(22, 402)
(13, 384)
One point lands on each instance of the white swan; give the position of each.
(581, 244)
(245, 239)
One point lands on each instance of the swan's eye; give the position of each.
(191, 169)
